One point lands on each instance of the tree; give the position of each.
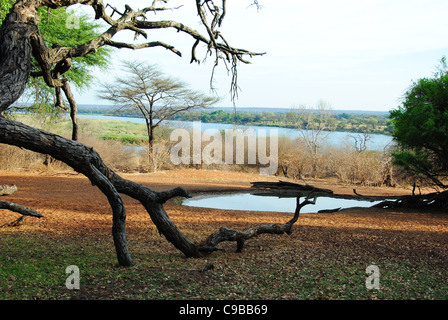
(22, 39)
(61, 27)
(154, 95)
(421, 128)
(315, 125)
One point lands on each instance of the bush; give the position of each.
(421, 130)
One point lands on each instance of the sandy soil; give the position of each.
(71, 205)
(349, 240)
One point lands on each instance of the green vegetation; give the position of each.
(33, 267)
(5, 6)
(345, 121)
(56, 31)
(126, 132)
(421, 128)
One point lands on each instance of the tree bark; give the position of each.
(85, 160)
(19, 209)
(15, 52)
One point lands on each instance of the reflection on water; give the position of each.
(250, 202)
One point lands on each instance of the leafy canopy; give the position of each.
(5, 6)
(421, 127)
(65, 27)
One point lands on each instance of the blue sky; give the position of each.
(354, 54)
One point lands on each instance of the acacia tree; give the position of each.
(61, 27)
(21, 39)
(154, 95)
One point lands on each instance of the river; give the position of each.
(376, 141)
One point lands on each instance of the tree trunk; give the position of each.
(60, 69)
(15, 52)
(152, 165)
(73, 109)
(86, 161)
(150, 130)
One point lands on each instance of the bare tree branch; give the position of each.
(143, 45)
(20, 38)
(19, 209)
(228, 234)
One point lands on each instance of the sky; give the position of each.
(353, 54)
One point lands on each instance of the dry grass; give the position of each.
(348, 165)
(295, 161)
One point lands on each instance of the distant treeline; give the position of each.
(341, 121)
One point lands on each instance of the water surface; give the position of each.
(251, 202)
(335, 138)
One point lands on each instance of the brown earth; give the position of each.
(74, 209)
(72, 206)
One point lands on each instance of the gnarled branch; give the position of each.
(20, 37)
(7, 205)
(228, 234)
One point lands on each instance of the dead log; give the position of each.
(437, 200)
(11, 206)
(19, 209)
(288, 187)
(24, 211)
(329, 210)
(7, 189)
(240, 237)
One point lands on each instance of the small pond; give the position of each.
(251, 202)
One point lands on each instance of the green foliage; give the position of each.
(421, 127)
(344, 122)
(5, 6)
(56, 30)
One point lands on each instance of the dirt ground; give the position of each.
(72, 206)
(74, 209)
